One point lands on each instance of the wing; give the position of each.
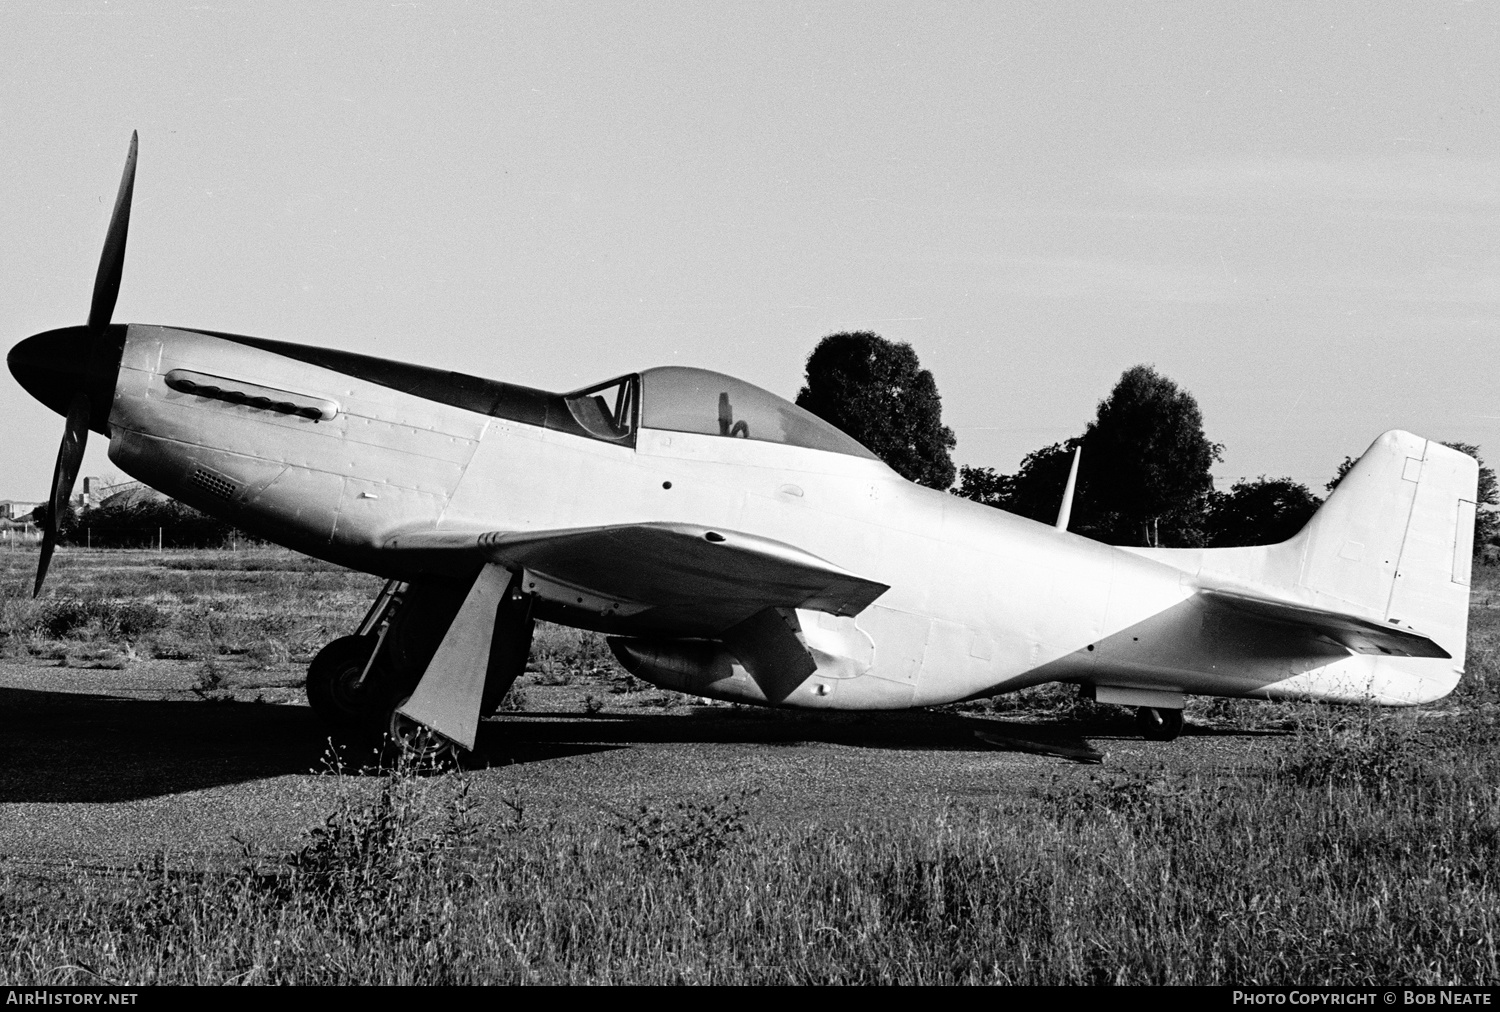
(688, 578)
(1357, 635)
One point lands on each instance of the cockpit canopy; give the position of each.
(680, 399)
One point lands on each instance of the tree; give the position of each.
(1041, 481)
(1338, 476)
(1034, 491)
(987, 486)
(1265, 511)
(1145, 476)
(879, 394)
(1486, 519)
(139, 520)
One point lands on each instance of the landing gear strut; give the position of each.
(1157, 723)
(342, 680)
(360, 682)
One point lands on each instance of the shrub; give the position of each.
(86, 617)
(367, 859)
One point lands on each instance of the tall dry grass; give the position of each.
(110, 607)
(1366, 854)
(261, 607)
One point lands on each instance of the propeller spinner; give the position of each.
(73, 370)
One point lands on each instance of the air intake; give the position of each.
(214, 484)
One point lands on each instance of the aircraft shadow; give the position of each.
(65, 747)
(535, 737)
(68, 748)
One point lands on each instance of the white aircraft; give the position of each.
(731, 544)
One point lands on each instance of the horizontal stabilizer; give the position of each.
(1382, 571)
(1357, 635)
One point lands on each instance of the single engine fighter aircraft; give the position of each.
(729, 543)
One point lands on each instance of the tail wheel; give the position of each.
(1158, 724)
(334, 687)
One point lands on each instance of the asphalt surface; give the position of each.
(115, 767)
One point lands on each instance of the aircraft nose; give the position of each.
(56, 365)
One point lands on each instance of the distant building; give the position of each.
(127, 494)
(93, 491)
(15, 509)
(90, 493)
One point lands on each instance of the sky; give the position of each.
(1292, 210)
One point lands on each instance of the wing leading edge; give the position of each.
(708, 578)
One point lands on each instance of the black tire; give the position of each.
(1158, 724)
(406, 740)
(331, 682)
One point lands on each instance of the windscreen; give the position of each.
(606, 411)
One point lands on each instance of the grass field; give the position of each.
(1367, 852)
(236, 614)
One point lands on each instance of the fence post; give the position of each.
(158, 539)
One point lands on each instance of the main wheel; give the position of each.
(1158, 724)
(333, 682)
(415, 742)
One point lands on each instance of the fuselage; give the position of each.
(338, 455)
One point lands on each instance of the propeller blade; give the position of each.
(112, 260)
(69, 459)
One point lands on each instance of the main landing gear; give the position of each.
(1157, 723)
(358, 683)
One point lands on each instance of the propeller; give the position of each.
(73, 370)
